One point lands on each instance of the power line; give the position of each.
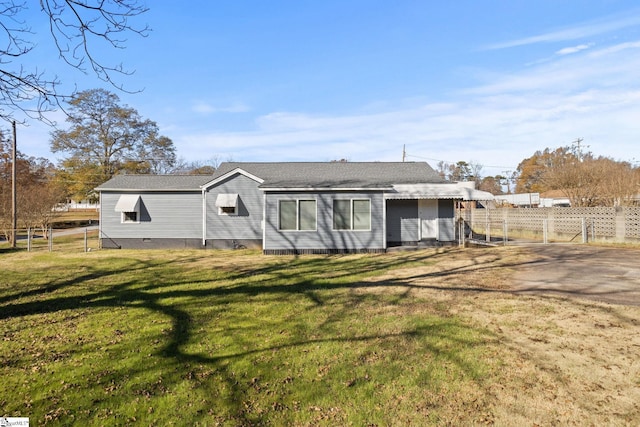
(453, 162)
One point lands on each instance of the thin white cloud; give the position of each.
(596, 68)
(593, 95)
(574, 49)
(587, 29)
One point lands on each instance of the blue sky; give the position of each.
(484, 81)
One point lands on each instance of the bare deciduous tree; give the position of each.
(106, 138)
(586, 180)
(80, 29)
(37, 192)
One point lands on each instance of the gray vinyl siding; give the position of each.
(446, 220)
(324, 237)
(403, 224)
(247, 224)
(169, 215)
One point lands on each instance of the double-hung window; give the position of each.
(298, 215)
(352, 214)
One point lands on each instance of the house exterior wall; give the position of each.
(246, 226)
(324, 238)
(446, 220)
(404, 221)
(166, 219)
(403, 224)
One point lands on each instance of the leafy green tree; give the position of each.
(106, 138)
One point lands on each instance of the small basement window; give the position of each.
(227, 204)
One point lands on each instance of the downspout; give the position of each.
(264, 220)
(384, 221)
(100, 221)
(204, 217)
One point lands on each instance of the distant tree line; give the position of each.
(587, 180)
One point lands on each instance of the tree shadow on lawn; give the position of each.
(314, 278)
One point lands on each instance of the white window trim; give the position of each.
(124, 220)
(351, 212)
(297, 229)
(221, 212)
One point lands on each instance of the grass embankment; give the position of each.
(194, 337)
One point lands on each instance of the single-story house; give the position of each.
(286, 207)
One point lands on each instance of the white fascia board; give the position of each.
(154, 190)
(317, 189)
(229, 174)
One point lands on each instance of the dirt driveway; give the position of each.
(604, 274)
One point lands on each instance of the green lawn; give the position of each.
(232, 338)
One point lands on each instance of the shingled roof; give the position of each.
(155, 183)
(335, 174)
(289, 175)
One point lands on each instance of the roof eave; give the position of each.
(149, 190)
(230, 174)
(316, 189)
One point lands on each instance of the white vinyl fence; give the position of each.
(552, 225)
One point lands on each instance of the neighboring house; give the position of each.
(520, 200)
(319, 207)
(554, 198)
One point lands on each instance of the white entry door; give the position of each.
(428, 214)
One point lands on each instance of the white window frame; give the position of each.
(125, 220)
(297, 228)
(221, 210)
(351, 214)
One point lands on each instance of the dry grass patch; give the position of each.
(562, 361)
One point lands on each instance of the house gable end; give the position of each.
(229, 175)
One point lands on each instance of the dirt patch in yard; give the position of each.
(569, 352)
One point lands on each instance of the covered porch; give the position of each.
(424, 214)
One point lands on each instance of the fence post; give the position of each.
(584, 230)
(593, 230)
(545, 237)
(29, 239)
(487, 228)
(85, 240)
(50, 239)
(505, 231)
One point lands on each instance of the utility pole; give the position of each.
(404, 152)
(577, 142)
(14, 196)
(507, 178)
